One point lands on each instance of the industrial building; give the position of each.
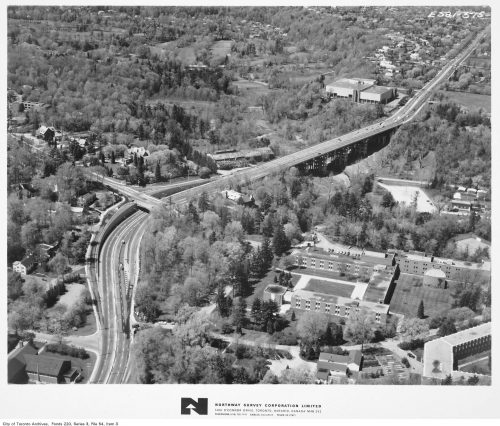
(361, 90)
(442, 356)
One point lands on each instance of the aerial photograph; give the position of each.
(248, 195)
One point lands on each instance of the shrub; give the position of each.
(53, 294)
(412, 344)
(227, 328)
(285, 338)
(337, 350)
(241, 352)
(69, 350)
(405, 362)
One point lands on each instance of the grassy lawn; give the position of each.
(326, 274)
(259, 337)
(221, 48)
(410, 291)
(260, 285)
(90, 326)
(72, 295)
(471, 100)
(328, 287)
(479, 366)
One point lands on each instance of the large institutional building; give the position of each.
(361, 90)
(419, 264)
(365, 280)
(442, 356)
(368, 286)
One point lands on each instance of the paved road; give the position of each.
(115, 346)
(405, 114)
(115, 342)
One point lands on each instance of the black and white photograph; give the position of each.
(247, 194)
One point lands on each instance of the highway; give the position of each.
(113, 286)
(113, 289)
(405, 114)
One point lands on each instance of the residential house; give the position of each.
(238, 197)
(86, 200)
(46, 251)
(50, 369)
(46, 133)
(24, 190)
(26, 265)
(140, 151)
(16, 363)
(333, 368)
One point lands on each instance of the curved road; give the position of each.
(115, 367)
(113, 289)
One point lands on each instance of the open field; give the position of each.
(329, 287)
(406, 194)
(221, 48)
(251, 90)
(72, 295)
(186, 54)
(470, 100)
(410, 291)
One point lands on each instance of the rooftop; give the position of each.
(437, 273)
(378, 89)
(17, 360)
(44, 364)
(352, 258)
(467, 335)
(352, 83)
(343, 301)
(276, 289)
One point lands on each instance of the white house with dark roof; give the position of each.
(24, 266)
(332, 368)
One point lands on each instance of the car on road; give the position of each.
(411, 355)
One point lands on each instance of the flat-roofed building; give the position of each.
(361, 90)
(453, 269)
(349, 88)
(442, 356)
(377, 95)
(243, 156)
(341, 307)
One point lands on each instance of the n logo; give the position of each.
(200, 406)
